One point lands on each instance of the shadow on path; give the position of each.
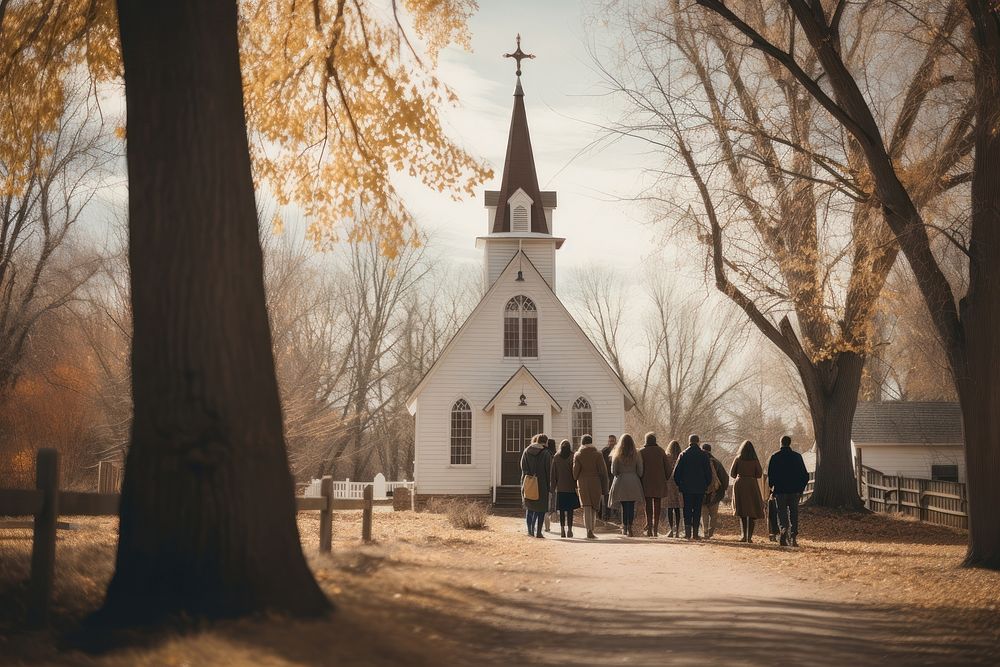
(526, 628)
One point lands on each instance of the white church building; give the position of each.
(520, 364)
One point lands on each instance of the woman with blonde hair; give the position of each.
(748, 504)
(626, 489)
(672, 499)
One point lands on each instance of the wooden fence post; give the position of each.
(922, 513)
(326, 515)
(899, 494)
(366, 514)
(104, 477)
(43, 551)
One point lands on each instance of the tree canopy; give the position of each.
(340, 100)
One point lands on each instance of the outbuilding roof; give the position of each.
(913, 422)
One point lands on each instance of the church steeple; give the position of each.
(519, 164)
(519, 215)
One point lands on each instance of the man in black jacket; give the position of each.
(787, 476)
(693, 474)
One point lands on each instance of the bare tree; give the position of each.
(305, 290)
(789, 222)
(688, 366)
(966, 325)
(601, 291)
(59, 177)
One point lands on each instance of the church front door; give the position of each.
(517, 433)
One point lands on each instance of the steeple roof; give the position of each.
(519, 171)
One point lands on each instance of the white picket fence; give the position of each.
(348, 490)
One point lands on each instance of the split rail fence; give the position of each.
(46, 502)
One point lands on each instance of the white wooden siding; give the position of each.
(474, 368)
(497, 255)
(542, 254)
(912, 460)
(499, 252)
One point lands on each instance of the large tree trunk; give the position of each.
(832, 390)
(207, 514)
(978, 382)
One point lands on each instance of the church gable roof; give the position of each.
(519, 171)
(520, 261)
(520, 375)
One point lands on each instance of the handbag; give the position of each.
(529, 487)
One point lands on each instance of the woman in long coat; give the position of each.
(536, 460)
(672, 499)
(748, 504)
(567, 501)
(655, 476)
(591, 477)
(626, 490)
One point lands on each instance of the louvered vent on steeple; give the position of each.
(519, 219)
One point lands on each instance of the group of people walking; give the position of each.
(689, 484)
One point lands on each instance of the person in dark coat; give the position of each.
(710, 512)
(787, 476)
(656, 469)
(551, 446)
(607, 511)
(693, 474)
(567, 500)
(536, 460)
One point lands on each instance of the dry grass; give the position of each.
(411, 585)
(882, 557)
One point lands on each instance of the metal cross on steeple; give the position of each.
(519, 55)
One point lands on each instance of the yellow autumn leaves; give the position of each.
(340, 100)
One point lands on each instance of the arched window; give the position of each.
(461, 433)
(520, 328)
(519, 219)
(583, 420)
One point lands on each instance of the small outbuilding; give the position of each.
(921, 439)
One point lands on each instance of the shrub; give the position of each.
(468, 516)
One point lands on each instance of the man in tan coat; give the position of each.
(591, 475)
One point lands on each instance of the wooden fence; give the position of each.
(46, 502)
(931, 501)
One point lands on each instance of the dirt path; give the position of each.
(644, 601)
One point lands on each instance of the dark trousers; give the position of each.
(653, 513)
(788, 511)
(772, 516)
(692, 510)
(628, 512)
(534, 520)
